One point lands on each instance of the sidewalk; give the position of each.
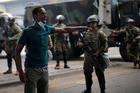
(76, 66)
(7, 79)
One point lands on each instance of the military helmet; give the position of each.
(60, 18)
(93, 19)
(11, 18)
(130, 20)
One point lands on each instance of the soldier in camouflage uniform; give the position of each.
(131, 32)
(60, 40)
(97, 40)
(49, 43)
(11, 36)
(49, 47)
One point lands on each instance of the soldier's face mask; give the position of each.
(11, 23)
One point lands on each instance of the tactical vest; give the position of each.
(92, 39)
(11, 31)
(131, 33)
(60, 36)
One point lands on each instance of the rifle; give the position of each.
(87, 46)
(100, 59)
(132, 35)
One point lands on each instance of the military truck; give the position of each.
(112, 14)
(124, 9)
(75, 12)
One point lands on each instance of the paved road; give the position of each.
(113, 53)
(11, 78)
(120, 78)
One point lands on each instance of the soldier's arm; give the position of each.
(18, 31)
(138, 31)
(49, 42)
(70, 29)
(121, 31)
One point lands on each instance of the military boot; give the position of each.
(8, 71)
(57, 66)
(86, 91)
(66, 66)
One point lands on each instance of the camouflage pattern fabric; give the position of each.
(131, 34)
(132, 51)
(11, 37)
(60, 39)
(98, 41)
(49, 42)
(49, 47)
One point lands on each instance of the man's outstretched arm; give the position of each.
(70, 29)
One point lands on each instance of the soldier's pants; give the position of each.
(58, 57)
(9, 60)
(133, 53)
(100, 76)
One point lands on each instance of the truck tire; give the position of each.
(123, 52)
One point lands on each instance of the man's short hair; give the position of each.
(35, 10)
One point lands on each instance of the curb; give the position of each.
(52, 75)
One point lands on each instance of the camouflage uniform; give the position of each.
(130, 39)
(60, 40)
(11, 37)
(49, 48)
(98, 41)
(49, 43)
